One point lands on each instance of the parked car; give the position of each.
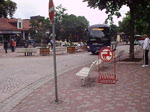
(139, 39)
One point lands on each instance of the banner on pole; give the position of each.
(51, 10)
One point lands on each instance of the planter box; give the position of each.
(71, 49)
(44, 51)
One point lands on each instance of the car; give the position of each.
(139, 39)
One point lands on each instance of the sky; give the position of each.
(28, 8)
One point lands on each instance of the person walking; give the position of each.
(32, 42)
(13, 44)
(29, 53)
(52, 43)
(26, 46)
(5, 45)
(146, 47)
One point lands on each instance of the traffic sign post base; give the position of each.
(107, 78)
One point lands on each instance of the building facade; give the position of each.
(17, 29)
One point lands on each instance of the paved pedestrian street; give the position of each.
(130, 93)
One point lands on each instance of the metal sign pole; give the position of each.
(54, 58)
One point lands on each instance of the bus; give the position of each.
(98, 36)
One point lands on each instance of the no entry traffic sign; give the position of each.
(51, 10)
(106, 54)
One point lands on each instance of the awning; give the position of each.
(9, 32)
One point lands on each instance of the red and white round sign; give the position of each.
(106, 54)
(51, 10)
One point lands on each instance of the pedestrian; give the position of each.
(5, 45)
(29, 53)
(52, 43)
(146, 48)
(32, 42)
(13, 44)
(26, 46)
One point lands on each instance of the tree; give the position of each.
(59, 14)
(143, 19)
(40, 30)
(141, 25)
(67, 26)
(112, 8)
(7, 8)
(124, 25)
(114, 31)
(73, 27)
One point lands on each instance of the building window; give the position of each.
(20, 26)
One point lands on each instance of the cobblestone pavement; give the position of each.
(131, 93)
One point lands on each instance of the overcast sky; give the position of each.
(27, 8)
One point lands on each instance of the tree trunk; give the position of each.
(131, 52)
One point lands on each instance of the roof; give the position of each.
(26, 24)
(99, 25)
(11, 24)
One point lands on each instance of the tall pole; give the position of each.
(54, 58)
(51, 16)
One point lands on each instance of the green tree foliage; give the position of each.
(7, 8)
(40, 29)
(142, 18)
(124, 25)
(114, 32)
(68, 27)
(59, 14)
(73, 27)
(112, 7)
(141, 25)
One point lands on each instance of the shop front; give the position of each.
(8, 35)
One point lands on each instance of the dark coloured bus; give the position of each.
(98, 36)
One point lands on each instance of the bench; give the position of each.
(81, 48)
(119, 54)
(99, 64)
(85, 71)
(61, 50)
(26, 50)
(78, 48)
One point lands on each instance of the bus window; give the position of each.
(97, 33)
